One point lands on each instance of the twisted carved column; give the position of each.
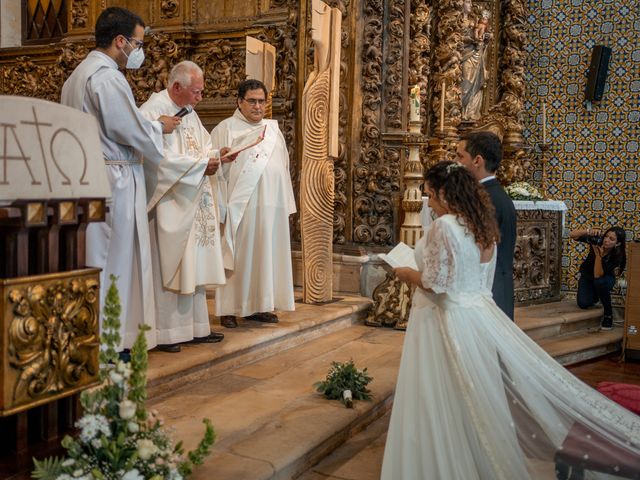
(505, 117)
(320, 108)
(447, 72)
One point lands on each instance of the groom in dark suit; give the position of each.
(481, 154)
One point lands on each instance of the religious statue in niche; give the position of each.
(320, 109)
(477, 36)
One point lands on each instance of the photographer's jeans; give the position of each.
(590, 290)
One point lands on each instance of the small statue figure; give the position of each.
(474, 58)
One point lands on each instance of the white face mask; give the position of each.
(135, 58)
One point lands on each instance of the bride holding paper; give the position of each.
(477, 398)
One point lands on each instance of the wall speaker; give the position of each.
(597, 75)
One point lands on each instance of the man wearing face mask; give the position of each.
(120, 245)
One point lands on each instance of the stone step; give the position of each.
(250, 342)
(257, 388)
(360, 458)
(270, 422)
(581, 346)
(556, 318)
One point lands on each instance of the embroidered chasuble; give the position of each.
(184, 226)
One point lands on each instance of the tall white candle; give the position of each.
(544, 122)
(414, 104)
(442, 93)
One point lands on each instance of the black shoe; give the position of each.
(607, 322)
(213, 337)
(125, 355)
(265, 317)
(169, 347)
(228, 321)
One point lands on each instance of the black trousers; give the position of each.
(590, 290)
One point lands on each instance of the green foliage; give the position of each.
(138, 379)
(345, 376)
(197, 456)
(110, 337)
(118, 438)
(47, 469)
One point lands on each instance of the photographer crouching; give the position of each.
(606, 260)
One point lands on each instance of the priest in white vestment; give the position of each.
(120, 245)
(259, 200)
(183, 215)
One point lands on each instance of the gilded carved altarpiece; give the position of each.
(387, 47)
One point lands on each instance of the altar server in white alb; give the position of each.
(120, 246)
(183, 215)
(260, 198)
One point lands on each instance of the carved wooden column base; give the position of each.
(411, 229)
(392, 304)
(392, 298)
(440, 145)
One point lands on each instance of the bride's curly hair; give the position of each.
(466, 198)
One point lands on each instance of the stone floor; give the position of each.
(257, 388)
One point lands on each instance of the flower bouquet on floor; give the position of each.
(346, 383)
(118, 439)
(523, 191)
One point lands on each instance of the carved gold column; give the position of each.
(505, 117)
(446, 105)
(320, 114)
(392, 298)
(411, 229)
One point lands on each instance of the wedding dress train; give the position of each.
(476, 398)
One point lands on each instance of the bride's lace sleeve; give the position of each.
(439, 259)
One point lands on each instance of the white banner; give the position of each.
(49, 151)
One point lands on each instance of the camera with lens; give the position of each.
(595, 240)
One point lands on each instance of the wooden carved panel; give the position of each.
(447, 57)
(341, 164)
(27, 78)
(80, 14)
(223, 65)
(377, 171)
(50, 337)
(224, 11)
(169, 9)
(161, 53)
(419, 54)
(537, 260)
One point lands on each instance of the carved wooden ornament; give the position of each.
(320, 115)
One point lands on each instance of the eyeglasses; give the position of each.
(255, 101)
(137, 43)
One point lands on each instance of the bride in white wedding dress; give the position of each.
(476, 398)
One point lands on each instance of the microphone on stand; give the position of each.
(186, 110)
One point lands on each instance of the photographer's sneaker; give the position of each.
(607, 323)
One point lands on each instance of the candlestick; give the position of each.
(414, 104)
(444, 84)
(544, 122)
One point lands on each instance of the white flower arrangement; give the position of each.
(523, 191)
(118, 439)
